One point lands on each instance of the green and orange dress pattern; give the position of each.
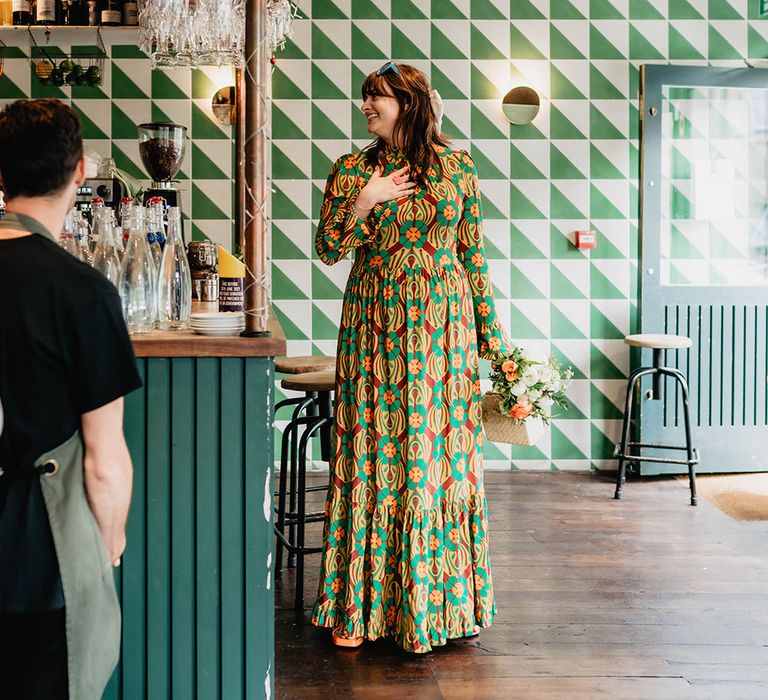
(405, 541)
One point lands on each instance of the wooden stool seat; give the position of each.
(658, 341)
(311, 381)
(304, 363)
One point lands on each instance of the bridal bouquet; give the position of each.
(524, 393)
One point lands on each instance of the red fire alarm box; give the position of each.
(586, 240)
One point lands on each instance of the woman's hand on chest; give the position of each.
(384, 188)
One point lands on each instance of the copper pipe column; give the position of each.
(238, 120)
(254, 153)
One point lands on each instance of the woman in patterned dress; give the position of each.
(405, 542)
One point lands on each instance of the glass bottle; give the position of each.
(67, 237)
(106, 259)
(130, 13)
(154, 226)
(82, 235)
(6, 13)
(94, 13)
(75, 13)
(21, 12)
(97, 204)
(138, 278)
(125, 216)
(175, 279)
(111, 15)
(46, 12)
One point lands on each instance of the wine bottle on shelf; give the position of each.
(75, 12)
(94, 12)
(111, 16)
(22, 13)
(130, 13)
(45, 12)
(6, 13)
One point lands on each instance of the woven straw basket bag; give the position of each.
(501, 428)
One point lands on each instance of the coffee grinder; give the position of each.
(161, 147)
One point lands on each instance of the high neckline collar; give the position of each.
(392, 150)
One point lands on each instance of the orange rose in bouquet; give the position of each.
(521, 411)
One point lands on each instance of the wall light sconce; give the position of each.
(223, 105)
(521, 105)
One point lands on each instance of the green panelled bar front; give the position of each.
(195, 582)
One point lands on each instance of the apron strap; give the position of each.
(25, 224)
(48, 468)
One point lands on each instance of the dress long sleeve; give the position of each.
(492, 342)
(340, 229)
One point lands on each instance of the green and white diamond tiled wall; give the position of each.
(132, 94)
(575, 167)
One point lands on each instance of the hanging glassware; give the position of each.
(192, 32)
(175, 279)
(138, 278)
(206, 32)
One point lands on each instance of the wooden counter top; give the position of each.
(187, 343)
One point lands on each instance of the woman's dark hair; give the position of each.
(40, 146)
(416, 131)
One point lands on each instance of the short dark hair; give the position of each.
(41, 143)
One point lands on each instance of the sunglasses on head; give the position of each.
(387, 66)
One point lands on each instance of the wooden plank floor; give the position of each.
(645, 598)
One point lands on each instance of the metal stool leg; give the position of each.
(325, 401)
(281, 500)
(301, 404)
(688, 440)
(302, 509)
(625, 427)
(311, 412)
(301, 514)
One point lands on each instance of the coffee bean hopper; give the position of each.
(161, 147)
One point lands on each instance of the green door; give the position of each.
(704, 257)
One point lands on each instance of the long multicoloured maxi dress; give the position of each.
(405, 542)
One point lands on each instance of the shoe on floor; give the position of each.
(340, 639)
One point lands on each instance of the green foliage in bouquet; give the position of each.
(529, 387)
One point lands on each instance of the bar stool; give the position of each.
(318, 387)
(301, 364)
(658, 342)
(304, 364)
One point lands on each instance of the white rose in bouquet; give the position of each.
(534, 395)
(519, 389)
(531, 376)
(545, 404)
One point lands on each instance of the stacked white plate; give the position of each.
(221, 323)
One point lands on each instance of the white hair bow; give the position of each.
(437, 106)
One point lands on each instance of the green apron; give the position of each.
(92, 611)
(91, 607)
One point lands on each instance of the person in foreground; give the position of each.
(66, 361)
(405, 542)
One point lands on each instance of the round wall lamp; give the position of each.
(521, 105)
(223, 105)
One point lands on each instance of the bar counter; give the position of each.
(196, 578)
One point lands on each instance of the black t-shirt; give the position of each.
(64, 351)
